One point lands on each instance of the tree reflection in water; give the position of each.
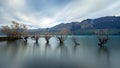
(75, 49)
(36, 49)
(35, 55)
(47, 48)
(104, 57)
(11, 53)
(62, 50)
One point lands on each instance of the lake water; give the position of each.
(18, 54)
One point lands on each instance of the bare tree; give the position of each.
(36, 37)
(102, 36)
(62, 35)
(47, 37)
(75, 40)
(15, 30)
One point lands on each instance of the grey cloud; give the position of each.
(35, 11)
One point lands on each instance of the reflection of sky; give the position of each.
(47, 13)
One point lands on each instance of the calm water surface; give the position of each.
(17, 54)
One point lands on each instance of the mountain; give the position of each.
(86, 26)
(108, 22)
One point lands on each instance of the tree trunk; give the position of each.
(47, 41)
(61, 42)
(36, 40)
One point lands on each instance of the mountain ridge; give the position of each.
(87, 25)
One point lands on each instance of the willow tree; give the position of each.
(47, 37)
(102, 35)
(36, 36)
(75, 40)
(62, 35)
(15, 30)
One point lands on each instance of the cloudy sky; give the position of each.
(48, 13)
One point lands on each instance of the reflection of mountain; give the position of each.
(87, 26)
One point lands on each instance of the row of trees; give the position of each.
(17, 31)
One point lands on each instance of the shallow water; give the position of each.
(17, 54)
